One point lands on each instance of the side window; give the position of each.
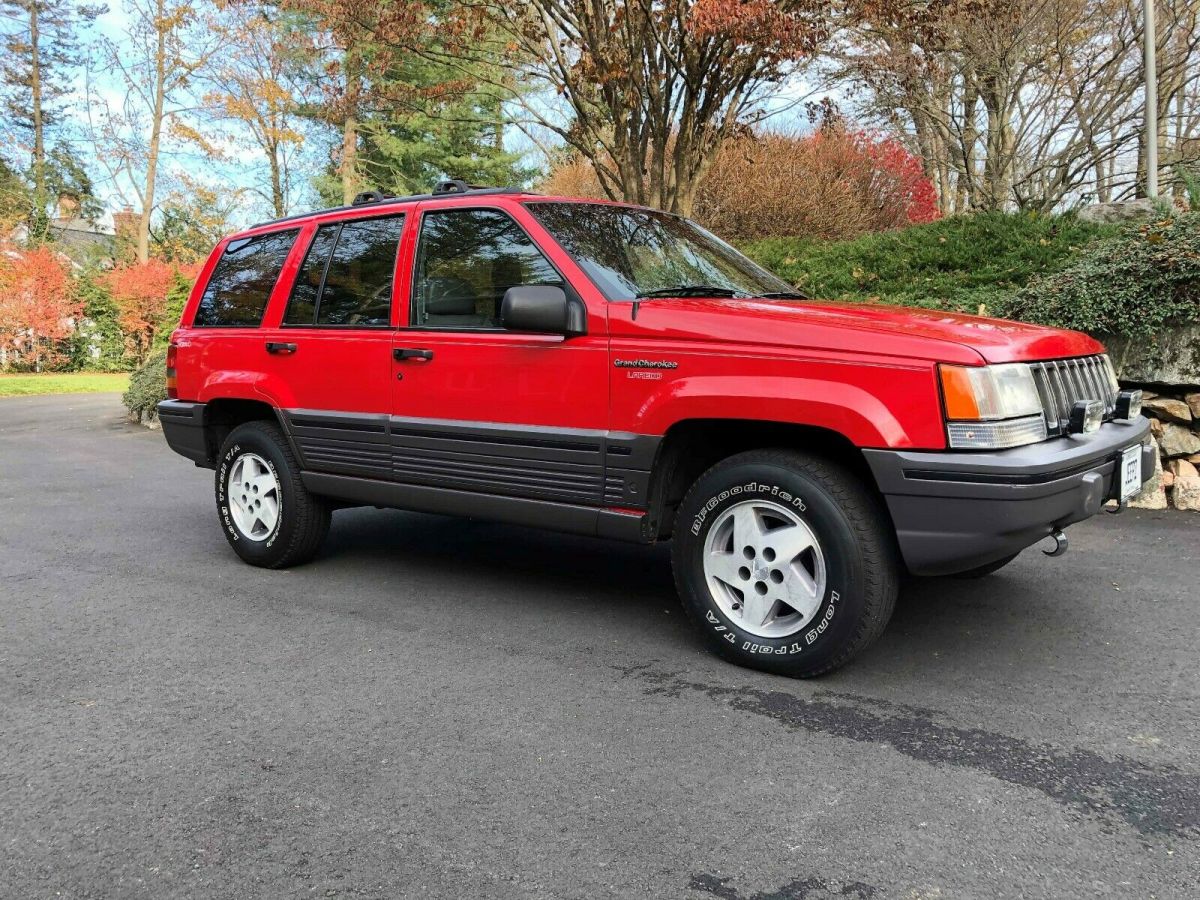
(302, 307)
(241, 283)
(466, 260)
(347, 275)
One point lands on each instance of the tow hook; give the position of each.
(1060, 544)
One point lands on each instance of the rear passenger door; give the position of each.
(475, 406)
(329, 353)
(220, 351)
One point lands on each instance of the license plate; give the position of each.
(1131, 471)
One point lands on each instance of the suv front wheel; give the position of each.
(785, 562)
(268, 516)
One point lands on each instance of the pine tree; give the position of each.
(406, 117)
(41, 49)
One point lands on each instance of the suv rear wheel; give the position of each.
(268, 516)
(785, 562)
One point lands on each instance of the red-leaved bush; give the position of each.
(831, 185)
(39, 305)
(140, 293)
(904, 180)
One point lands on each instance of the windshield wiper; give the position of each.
(691, 290)
(785, 295)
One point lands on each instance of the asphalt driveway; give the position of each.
(440, 708)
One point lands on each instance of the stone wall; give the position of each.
(1166, 366)
(1175, 427)
(1170, 357)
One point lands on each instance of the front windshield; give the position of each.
(630, 252)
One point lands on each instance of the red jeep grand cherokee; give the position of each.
(616, 371)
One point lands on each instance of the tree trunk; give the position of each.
(1103, 194)
(968, 186)
(349, 159)
(40, 200)
(351, 68)
(156, 123)
(276, 181)
(997, 164)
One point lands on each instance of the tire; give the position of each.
(984, 571)
(259, 455)
(843, 581)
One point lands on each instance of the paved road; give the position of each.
(447, 709)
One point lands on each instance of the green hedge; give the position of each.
(1133, 284)
(956, 263)
(147, 385)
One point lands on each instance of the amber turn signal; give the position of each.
(959, 393)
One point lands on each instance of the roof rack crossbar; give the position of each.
(371, 197)
(454, 186)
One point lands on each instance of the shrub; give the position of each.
(147, 386)
(957, 263)
(1132, 284)
(832, 185)
(572, 177)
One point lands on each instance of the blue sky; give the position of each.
(241, 161)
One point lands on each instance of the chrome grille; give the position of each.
(1062, 383)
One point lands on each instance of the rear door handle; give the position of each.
(402, 353)
(280, 347)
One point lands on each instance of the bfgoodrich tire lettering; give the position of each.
(806, 500)
(301, 520)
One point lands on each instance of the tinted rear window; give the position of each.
(358, 282)
(302, 308)
(347, 275)
(242, 281)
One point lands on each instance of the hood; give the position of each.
(874, 328)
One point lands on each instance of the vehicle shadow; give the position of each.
(473, 546)
(960, 622)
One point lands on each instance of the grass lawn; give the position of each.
(62, 383)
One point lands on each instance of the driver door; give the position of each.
(480, 408)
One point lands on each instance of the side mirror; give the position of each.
(542, 308)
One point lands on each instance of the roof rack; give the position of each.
(370, 197)
(366, 198)
(455, 186)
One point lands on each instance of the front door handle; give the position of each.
(280, 347)
(402, 353)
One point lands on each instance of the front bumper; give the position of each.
(956, 511)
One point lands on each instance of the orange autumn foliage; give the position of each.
(39, 305)
(140, 293)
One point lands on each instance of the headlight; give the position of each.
(991, 407)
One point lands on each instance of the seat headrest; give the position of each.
(449, 297)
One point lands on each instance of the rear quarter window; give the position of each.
(236, 295)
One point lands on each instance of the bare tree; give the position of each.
(646, 90)
(1027, 103)
(250, 87)
(158, 60)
